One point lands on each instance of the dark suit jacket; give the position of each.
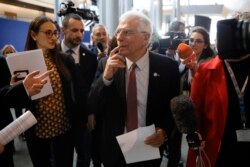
(10, 96)
(5, 115)
(110, 103)
(88, 64)
(87, 68)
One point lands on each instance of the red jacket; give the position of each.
(210, 97)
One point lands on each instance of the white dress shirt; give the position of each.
(142, 80)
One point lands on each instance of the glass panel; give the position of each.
(200, 2)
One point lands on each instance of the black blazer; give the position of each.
(86, 68)
(5, 115)
(88, 64)
(10, 96)
(109, 102)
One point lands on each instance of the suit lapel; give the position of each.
(81, 56)
(153, 81)
(120, 82)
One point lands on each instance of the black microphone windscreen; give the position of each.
(184, 114)
(100, 46)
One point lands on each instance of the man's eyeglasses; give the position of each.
(50, 33)
(127, 33)
(193, 41)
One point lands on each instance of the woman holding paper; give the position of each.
(52, 138)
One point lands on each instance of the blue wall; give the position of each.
(13, 32)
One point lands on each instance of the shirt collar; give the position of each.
(141, 63)
(65, 48)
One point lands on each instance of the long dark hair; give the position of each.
(208, 52)
(31, 44)
(35, 27)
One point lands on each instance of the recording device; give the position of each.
(100, 46)
(233, 38)
(86, 14)
(184, 116)
(113, 44)
(171, 41)
(184, 51)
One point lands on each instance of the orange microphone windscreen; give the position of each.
(184, 50)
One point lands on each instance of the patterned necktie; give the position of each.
(132, 118)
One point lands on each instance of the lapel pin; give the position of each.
(83, 54)
(156, 74)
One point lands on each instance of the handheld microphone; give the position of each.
(100, 46)
(184, 51)
(184, 116)
(187, 56)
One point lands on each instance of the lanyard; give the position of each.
(240, 93)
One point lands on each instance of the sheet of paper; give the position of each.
(15, 128)
(133, 147)
(29, 61)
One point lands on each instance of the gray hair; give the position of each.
(7, 46)
(145, 24)
(97, 26)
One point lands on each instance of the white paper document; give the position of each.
(26, 62)
(15, 128)
(133, 147)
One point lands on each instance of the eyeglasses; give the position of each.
(50, 33)
(198, 41)
(127, 33)
(193, 41)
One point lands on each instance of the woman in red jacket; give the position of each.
(218, 110)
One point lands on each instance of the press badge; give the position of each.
(243, 135)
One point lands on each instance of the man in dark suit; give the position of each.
(73, 30)
(157, 82)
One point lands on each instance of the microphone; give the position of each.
(100, 46)
(184, 51)
(183, 112)
(187, 56)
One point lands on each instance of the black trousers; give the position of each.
(52, 152)
(82, 144)
(6, 158)
(96, 145)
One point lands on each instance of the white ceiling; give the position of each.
(44, 3)
(51, 3)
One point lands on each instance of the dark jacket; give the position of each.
(110, 103)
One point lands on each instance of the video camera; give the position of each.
(86, 14)
(171, 41)
(233, 38)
